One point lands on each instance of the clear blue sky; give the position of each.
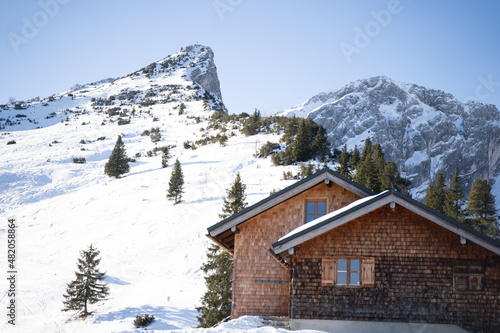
(270, 55)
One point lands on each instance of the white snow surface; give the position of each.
(151, 250)
(319, 220)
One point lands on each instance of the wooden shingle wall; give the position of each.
(414, 274)
(261, 284)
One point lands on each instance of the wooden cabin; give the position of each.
(327, 252)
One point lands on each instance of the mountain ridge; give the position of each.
(151, 250)
(421, 130)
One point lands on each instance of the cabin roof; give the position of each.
(224, 227)
(365, 205)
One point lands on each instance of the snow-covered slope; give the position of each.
(151, 250)
(421, 130)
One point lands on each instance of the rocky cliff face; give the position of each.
(421, 130)
(206, 74)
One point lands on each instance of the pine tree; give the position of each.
(236, 199)
(367, 149)
(300, 150)
(378, 162)
(344, 166)
(319, 145)
(390, 178)
(436, 193)
(440, 188)
(176, 183)
(164, 157)
(365, 166)
(481, 209)
(87, 288)
(216, 302)
(430, 196)
(182, 107)
(454, 199)
(355, 158)
(117, 164)
(366, 174)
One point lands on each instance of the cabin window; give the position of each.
(348, 272)
(468, 277)
(315, 209)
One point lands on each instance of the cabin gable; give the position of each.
(261, 283)
(422, 273)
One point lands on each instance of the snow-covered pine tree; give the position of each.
(216, 302)
(117, 164)
(87, 288)
(176, 184)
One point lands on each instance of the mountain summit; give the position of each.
(421, 130)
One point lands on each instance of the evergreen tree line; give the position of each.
(302, 141)
(370, 169)
(478, 211)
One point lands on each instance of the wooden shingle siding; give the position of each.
(414, 263)
(254, 263)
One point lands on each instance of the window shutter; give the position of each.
(368, 272)
(328, 271)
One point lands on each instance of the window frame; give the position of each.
(468, 272)
(331, 278)
(315, 201)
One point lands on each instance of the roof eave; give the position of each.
(286, 194)
(392, 196)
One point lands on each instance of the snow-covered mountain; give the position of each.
(151, 250)
(421, 130)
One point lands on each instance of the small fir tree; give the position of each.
(440, 191)
(436, 193)
(87, 288)
(236, 199)
(378, 164)
(344, 165)
(176, 184)
(300, 150)
(319, 145)
(216, 302)
(164, 157)
(364, 167)
(454, 199)
(117, 164)
(481, 211)
(355, 158)
(182, 107)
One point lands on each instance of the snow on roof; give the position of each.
(323, 218)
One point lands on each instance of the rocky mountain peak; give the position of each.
(422, 130)
(199, 62)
